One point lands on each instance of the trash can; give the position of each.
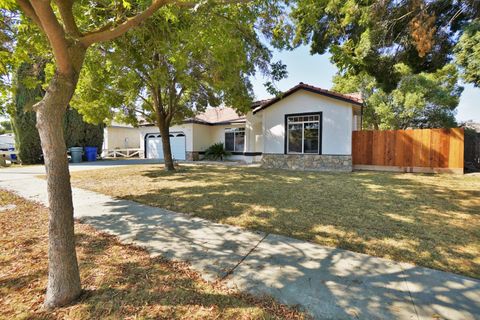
(76, 153)
(13, 156)
(91, 153)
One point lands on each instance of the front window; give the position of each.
(235, 139)
(303, 134)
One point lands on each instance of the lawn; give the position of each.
(120, 282)
(428, 220)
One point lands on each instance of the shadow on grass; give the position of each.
(330, 283)
(378, 214)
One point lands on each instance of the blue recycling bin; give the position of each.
(91, 153)
(13, 156)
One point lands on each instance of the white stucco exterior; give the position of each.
(337, 122)
(264, 130)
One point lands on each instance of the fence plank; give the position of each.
(428, 148)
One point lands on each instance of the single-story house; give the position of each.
(306, 128)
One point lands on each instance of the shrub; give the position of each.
(216, 152)
(78, 133)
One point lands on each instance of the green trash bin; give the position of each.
(76, 153)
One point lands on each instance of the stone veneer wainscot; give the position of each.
(309, 162)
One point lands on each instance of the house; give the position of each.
(307, 128)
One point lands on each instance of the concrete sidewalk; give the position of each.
(329, 283)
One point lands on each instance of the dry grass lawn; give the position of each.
(429, 220)
(121, 281)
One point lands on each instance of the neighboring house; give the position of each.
(120, 136)
(307, 128)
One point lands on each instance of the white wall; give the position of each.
(253, 133)
(202, 137)
(121, 138)
(336, 125)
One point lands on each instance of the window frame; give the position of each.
(320, 131)
(234, 130)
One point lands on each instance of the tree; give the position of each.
(467, 53)
(28, 91)
(194, 60)
(423, 100)
(372, 37)
(64, 31)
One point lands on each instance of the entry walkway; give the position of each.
(329, 283)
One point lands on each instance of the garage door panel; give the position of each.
(177, 146)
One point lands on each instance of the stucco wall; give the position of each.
(253, 133)
(121, 138)
(336, 125)
(202, 137)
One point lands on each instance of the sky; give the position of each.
(318, 71)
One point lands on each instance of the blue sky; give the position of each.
(317, 70)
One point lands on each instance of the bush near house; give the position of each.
(216, 152)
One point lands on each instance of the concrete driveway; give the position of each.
(329, 283)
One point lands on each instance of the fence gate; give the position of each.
(417, 150)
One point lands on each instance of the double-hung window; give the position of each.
(235, 139)
(303, 133)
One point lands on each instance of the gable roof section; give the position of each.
(353, 98)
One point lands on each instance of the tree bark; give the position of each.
(167, 150)
(63, 274)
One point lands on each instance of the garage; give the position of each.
(154, 149)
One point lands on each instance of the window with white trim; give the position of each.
(235, 139)
(303, 134)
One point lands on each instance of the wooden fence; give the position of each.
(419, 150)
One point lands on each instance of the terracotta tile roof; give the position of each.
(353, 98)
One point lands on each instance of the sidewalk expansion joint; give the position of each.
(409, 292)
(243, 258)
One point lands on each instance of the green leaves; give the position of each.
(373, 36)
(467, 53)
(423, 100)
(179, 62)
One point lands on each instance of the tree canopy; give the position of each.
(181, 61)
(372, 37)
(420, 100)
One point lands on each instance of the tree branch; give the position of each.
(66, 12)
(28, 10)
(55, 34)
(112, 33)
(108, 33)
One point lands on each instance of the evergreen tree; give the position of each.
(78, 133)
(28, 91)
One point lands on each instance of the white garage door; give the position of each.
(155, 149)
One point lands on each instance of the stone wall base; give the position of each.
(192, 156)
(307, 162)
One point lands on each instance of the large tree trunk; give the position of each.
(167, 150)
(63, 274)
